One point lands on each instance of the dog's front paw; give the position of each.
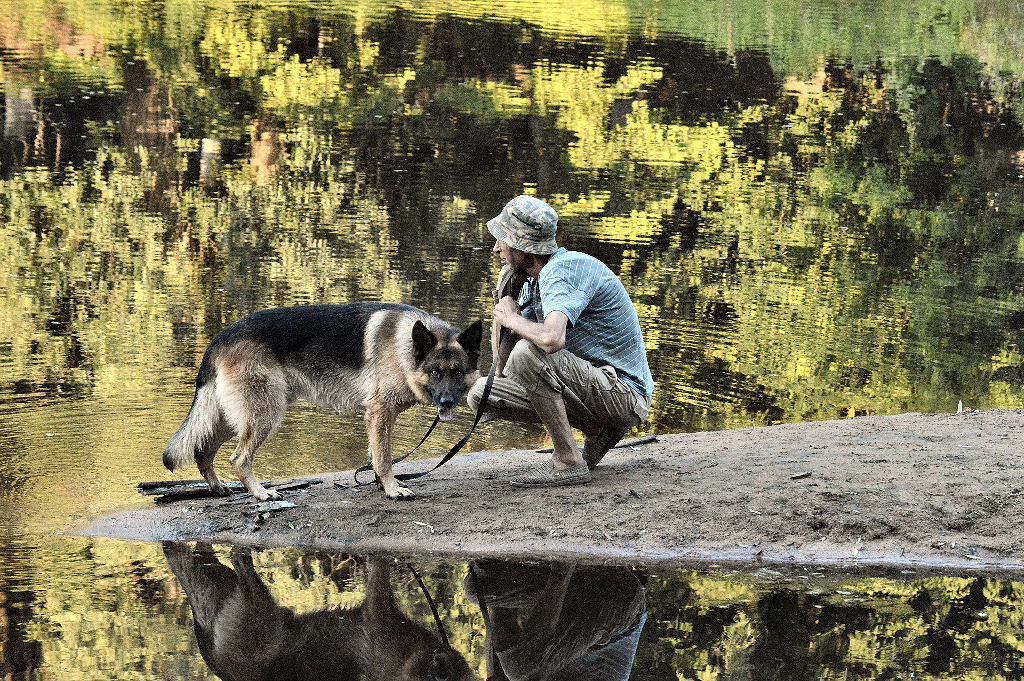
(264, 494)
(398, 491)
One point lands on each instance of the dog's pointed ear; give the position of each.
(423, 341)
(470, 340)
(471, 337)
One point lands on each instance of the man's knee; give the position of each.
(475, 392)
(525, 360)
(534, 370)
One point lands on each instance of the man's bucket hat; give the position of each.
(526, 223)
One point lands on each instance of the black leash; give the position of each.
(430, 602)
(509, 284)
(454, 450)
(499, 673)
(369, 466)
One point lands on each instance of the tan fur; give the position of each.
(394, 353)
(245, 635)
(393, 385)
(253, 394)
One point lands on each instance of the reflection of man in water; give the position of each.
(558, 622)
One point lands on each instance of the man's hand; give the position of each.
(506, 312)
(548, 336)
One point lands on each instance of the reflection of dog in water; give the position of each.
(244, 635)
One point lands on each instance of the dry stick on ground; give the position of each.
(625, 443)
(179, 490)
(161, 486)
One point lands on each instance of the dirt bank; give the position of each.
(909, 490)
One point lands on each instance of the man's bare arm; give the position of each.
(549, 336)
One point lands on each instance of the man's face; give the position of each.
(510, 256)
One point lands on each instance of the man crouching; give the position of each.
(575, 355)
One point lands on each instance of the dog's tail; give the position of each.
(202, 423)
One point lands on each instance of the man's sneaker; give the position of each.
(595, 447)
(547, 476)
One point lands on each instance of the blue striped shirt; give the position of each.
(604, 327)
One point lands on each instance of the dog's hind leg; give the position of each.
(380, 425)
(252, 436)
(204, 458)
(253, 393)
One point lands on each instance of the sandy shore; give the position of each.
(914, 490)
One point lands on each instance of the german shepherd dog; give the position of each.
(245, 635)
(379, 357)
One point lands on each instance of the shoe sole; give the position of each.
(558, 482)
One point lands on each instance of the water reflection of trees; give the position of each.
(699, 625)
(709, 627)
(812, 245)
(804, 236)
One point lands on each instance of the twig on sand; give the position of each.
(182, 490)
(625, 443)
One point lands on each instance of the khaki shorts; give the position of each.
(594, 396)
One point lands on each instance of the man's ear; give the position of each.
(470, 340)
(423, 341)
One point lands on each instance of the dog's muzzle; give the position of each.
(440, 667)
(446, 409)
